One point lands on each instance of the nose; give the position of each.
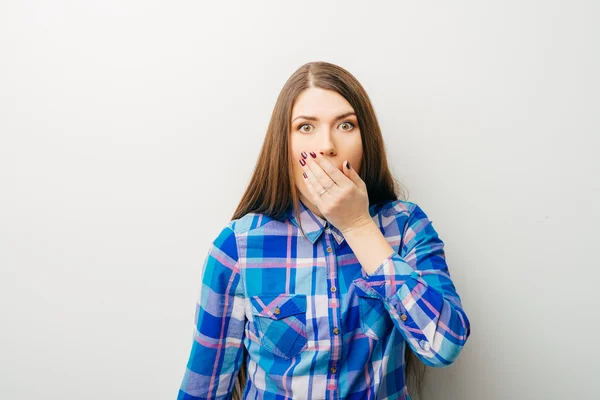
(326, 146)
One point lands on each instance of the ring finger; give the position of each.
(312, 183)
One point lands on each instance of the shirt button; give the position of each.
(333, 288)
(336, 331)
(329, 249)
(276, 310)
(403, 317)
(333, 370)
(425, 345)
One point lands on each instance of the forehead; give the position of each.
(320, 102)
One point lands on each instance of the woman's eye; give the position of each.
(350, 125)
(301, 128)
(345, 126)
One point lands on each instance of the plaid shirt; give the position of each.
(314, 323)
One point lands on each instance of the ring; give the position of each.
(325, 189)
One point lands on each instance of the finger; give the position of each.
(352, 174)
(321, 175)
(313, 186)
(333, 171)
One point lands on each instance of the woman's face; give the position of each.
(323, 122)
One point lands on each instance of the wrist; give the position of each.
(361, 228)
(369, 245)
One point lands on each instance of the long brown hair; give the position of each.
(272, 190)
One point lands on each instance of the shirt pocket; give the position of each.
(280, 321)
(375, 321)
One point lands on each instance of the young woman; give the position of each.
(325, 284)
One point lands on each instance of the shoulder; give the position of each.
(399, 214)
(392, 210)
(249, 222)
(243, 225)
(393, 207)
(233, 235)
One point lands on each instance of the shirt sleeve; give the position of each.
(217, 348)
(417, 291)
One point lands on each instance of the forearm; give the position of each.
(369, 245)
(416, 287)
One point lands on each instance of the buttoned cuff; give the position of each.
(389, 276)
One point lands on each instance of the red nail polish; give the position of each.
(302, 162)
(313, 155)
(304, 173)
(304, 155)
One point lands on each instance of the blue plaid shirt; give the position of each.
(314, 323)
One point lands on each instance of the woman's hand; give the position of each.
(345, 203)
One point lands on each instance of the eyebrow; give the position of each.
(316, 119)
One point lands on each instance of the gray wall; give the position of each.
(129, 129)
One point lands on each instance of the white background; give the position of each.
(129, 130)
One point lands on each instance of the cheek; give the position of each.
(354, 154)
(357, 158)
(297, 169)
(296, 156)
(296, 149)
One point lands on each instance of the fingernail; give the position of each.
(304, 155)
(313, 155)
(302, 162)
(304, 173)
(348, 164)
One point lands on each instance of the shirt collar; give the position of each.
(313, 224)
